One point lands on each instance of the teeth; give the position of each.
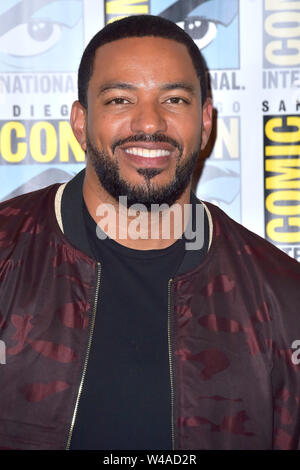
(147, 153)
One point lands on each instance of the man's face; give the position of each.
(143, 125)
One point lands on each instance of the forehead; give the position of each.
(144, 60)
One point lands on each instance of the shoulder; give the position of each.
(28, 210)
(236, 242)
(32, 198)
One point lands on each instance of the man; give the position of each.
(123, 342)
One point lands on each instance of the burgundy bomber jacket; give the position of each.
(234, 316)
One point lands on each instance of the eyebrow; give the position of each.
(129, 86)
(182, 85)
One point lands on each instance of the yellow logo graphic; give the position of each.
(116, 9)
(38, 141)
(282, 179)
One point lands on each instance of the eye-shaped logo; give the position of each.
(213, 25)
(40, 35)
(21, 179)
(202, 31)
(220, 185)
(37, 37)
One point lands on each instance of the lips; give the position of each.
(147, 153)
(149, 149)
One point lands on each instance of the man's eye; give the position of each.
(176, 100)
(118, 101)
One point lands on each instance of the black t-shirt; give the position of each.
(125, 401)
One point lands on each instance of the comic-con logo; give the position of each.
(281, 33)
(29, 141)
(282, 182)
(35, 35)
(213, 25)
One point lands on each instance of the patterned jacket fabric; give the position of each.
(234, 319)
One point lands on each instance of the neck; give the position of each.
(141, 230)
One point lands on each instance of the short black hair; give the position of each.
(138, 26)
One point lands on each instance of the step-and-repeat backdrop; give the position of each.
(252, 49)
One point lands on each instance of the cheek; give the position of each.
(194, 132)
(187, 128)
(106, 130)
(191, 139)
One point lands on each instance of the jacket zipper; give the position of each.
(171, 363)
(86, 355)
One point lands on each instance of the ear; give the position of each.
(77, 120)
(207, 112)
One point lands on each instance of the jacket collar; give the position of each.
(74, 227)
(72, 214)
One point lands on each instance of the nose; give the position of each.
(148, 118)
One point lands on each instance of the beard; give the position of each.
(107, 171)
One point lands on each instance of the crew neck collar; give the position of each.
(74, 227)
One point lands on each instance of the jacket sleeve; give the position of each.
(286, 380)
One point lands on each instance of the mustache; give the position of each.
(146, 138)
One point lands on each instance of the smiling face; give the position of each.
(143, 128)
